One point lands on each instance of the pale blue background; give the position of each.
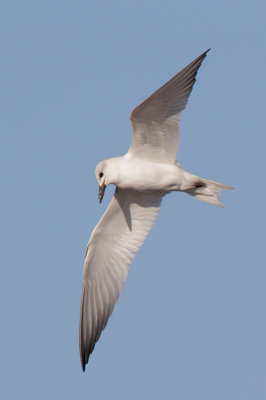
(190, 322)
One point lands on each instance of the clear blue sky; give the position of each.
(190, 322)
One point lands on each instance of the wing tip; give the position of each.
(201, 58)
(204, 54)
(84, 358)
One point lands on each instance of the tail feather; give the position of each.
(209, 191)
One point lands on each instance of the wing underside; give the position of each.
(112, 246)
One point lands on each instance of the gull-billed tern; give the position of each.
(142, 177)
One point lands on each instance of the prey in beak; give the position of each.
(101, 192)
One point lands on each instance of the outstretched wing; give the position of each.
(155, 121)
(112, 246)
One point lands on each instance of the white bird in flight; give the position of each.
(142, 177)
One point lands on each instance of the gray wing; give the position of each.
(111, 248)
(155, 121)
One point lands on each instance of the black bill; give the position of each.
(101, 192)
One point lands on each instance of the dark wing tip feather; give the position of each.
(84, 355)
(89, 329)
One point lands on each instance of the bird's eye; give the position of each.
(100, 174)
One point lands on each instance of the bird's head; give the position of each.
(107, 172)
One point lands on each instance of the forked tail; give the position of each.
(209, 191)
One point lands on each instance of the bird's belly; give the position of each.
(150, 176)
